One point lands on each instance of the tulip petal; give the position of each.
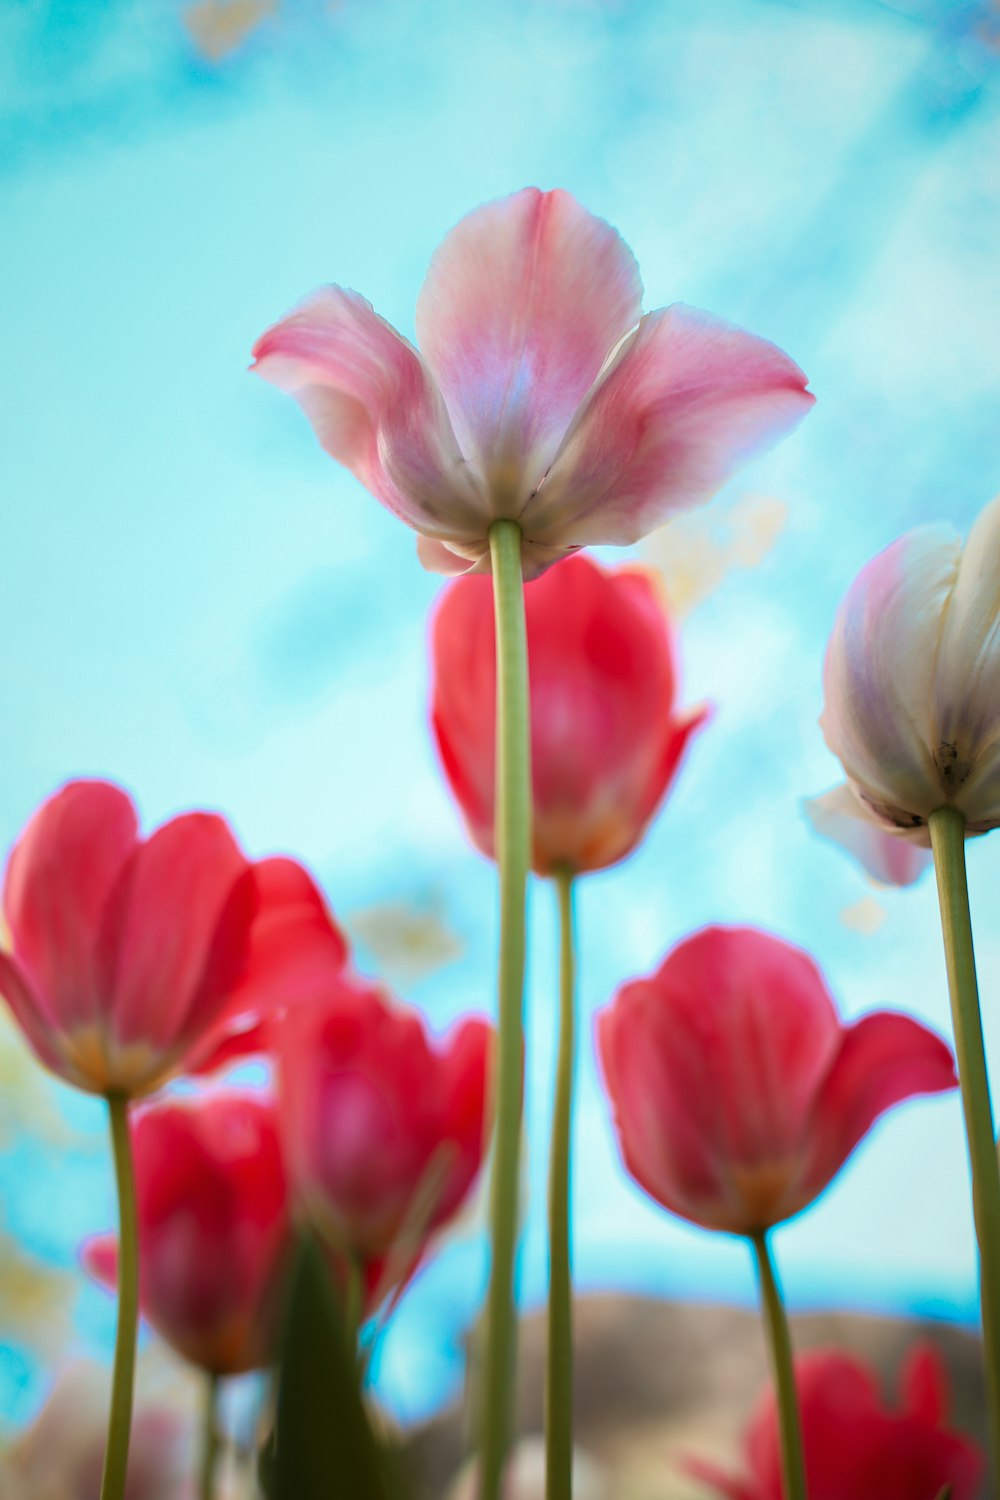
(175, 933)
(32, 1014)
(522, 303)
(894, 856)
(883, 1059)
(924, 1385)
(684, 400)
(58, 880)
(376, 409)
(100, 1259)
(879, 672)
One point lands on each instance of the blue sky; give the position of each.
(198, 603)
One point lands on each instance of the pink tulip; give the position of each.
(738, 1092)
(890, 856)
(912, 680)
(607, 735)
(213, 1228)
(383, 1129)
(857, 1448)
(129, 957)
(542, 392)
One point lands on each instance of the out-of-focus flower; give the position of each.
(213, 1227)
(61, 1455)
(912, 680)
(892, 857)
(541, 394)
(607, 736)
(129, 957)
(696, 552)
(856, 1448)
(384, 1130)
(525, 1477)
(738, 1092)
(218, 27)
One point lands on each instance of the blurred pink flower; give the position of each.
(541, 393)
(214, 1231)
(856, 1448)
(738, 1092)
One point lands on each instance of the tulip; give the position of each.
(213, 1227)
(890, 856)
(856, 1447)
(383, 1129)
(607, 736)
(544, 414)
(739, 1094)
(912, 710)
(542, 394)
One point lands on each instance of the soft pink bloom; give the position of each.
(607, 734)
(130, 956)
(856, 1447)
(541, 392)
(912, 679)
(214, 1233)
(737, 1090)
(384, 1129)
(890, 856)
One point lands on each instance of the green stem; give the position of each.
(780, 1347)
(120, 1420)
(947, 830)
(513, 852)
(354, 1301)
(559, 1365)
(209, 1438)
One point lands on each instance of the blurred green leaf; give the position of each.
(324, 1446)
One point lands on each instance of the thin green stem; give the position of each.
(947, 829)
(209, 1438)
(123, 1380)
(513, 851)
(559, 1365)
(354, 1300)
(780, 1346)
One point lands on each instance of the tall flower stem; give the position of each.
(513, 851)
(780, 1346)
(123, 1380)
(947, 829)
(559, 1364)
(209, 1438)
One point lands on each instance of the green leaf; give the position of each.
(324, 1446)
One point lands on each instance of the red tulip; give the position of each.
(607, 736)
(855, 1447)
(738, 1092)
(384, 1130)
(213, 1227)
(129, 956)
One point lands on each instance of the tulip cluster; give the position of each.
(544, 413)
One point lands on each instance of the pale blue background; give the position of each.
(195, 601)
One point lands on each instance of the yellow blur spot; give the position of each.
(218, 27)
(408, 941)
(695, 553)
(865, 916)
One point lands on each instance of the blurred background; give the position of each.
(196, 602)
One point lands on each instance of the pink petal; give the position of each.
(176, 932)
(924, 1383)
(883, 1059)
(100, 1259)
(686, 399)
(523, 301)
(58, 880)
(42, 1029)
(375, 409)
(890, 855)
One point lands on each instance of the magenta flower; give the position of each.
(541, 393)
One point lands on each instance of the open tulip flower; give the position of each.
(912, 680)
(856, 1447)
(384, 1130)
(541, 393)
(607, 736)
(213, 1227)
(133, 959)
(738, 1092)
